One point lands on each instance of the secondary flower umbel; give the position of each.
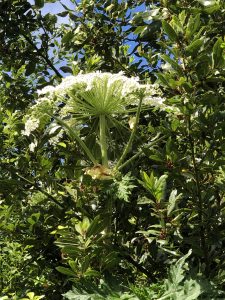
(30, 125)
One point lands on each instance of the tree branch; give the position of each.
(45, 57)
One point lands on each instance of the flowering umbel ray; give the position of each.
(103, 99)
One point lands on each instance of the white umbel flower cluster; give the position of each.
(30, 125)
(128, 85)
(90, 94)
(108, 87)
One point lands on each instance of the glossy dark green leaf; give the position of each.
(169, 31)
(217, 53)
(63, 14)
(194, 47)
(97, 225)
(65, 271)
(66, 69)
(193, 25)
(92, 273)
(39, 3)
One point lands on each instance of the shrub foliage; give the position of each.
(107, 194)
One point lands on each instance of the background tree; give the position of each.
(167, 200)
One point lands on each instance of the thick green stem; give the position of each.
(130, 142)
(102, 139)
(75, 136)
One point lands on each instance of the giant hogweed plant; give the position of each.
(93, 100)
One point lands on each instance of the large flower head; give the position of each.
(90, 95)
(98, 93)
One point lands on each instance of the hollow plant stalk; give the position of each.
(105, 163)
(130, 142)
(140, 152)
(102, 139)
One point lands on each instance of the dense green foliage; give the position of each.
(156, 228)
